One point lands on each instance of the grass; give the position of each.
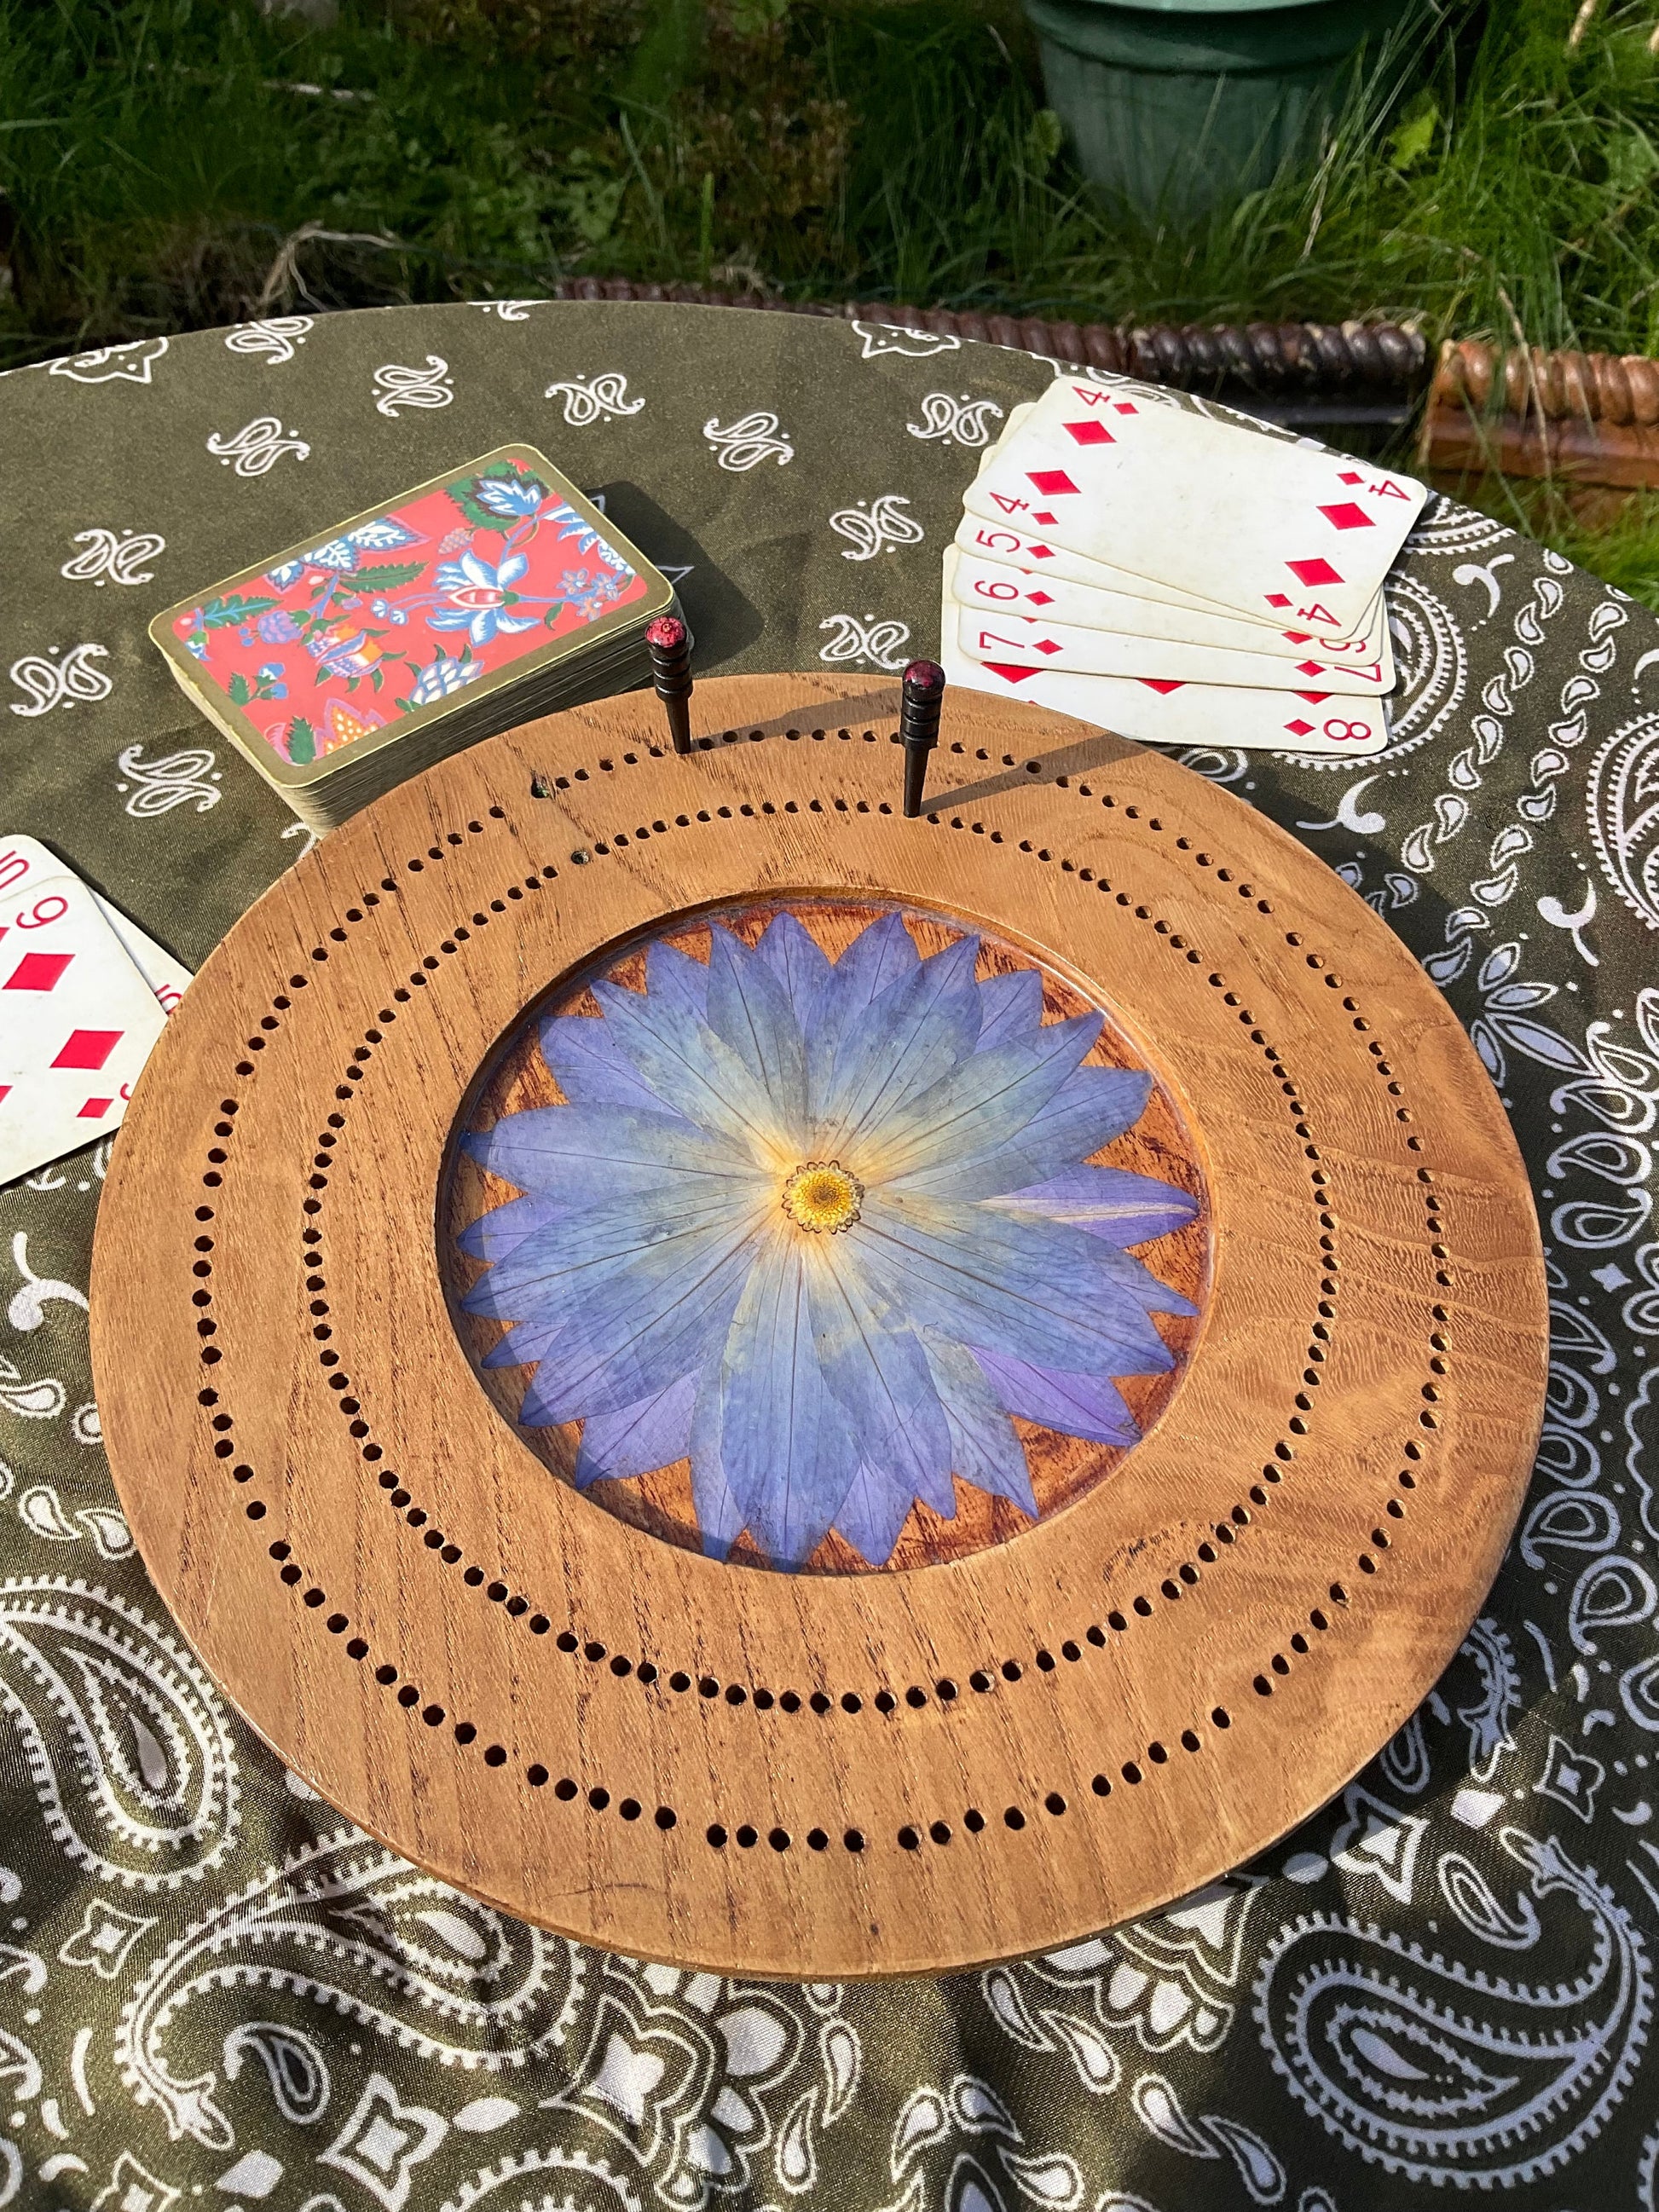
(158, 158)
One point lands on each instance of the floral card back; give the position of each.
(477, 579)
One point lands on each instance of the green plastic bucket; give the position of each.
(1177, 105)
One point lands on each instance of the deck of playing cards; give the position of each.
(1176, 579)
(491, 594)
(83, 995)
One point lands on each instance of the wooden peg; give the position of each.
(669, 642)
(923, 694)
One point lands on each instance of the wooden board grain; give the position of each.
(832, 1774)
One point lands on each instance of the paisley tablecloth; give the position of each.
(212, 1988)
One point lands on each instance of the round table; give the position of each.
(1442, 1978)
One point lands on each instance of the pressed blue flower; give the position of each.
(481, 596)
(825, 1227)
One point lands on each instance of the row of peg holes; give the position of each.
(1368, 1562)
(289, 1572)
(789, 1701)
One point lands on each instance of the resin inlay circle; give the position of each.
(829, 1236)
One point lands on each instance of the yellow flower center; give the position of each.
(822, 1197)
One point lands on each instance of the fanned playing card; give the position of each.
(78, 1020)
(1077, 651)
(24, 862)
(993, 588)
(1169, 711)
(1050, 564)
(1285, 532)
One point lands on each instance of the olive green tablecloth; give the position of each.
(211, 1987)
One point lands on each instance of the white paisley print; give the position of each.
(57, 678)
(215, 1992)
(113, 364)
(276, 337)
(745, 444)
(593, 398)
(398, 387)
(115, 558)
(957, 418)
(863, 639)
(257, 447)
(870, 526)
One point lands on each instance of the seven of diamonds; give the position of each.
(997, 593)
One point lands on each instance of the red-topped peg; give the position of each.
(922, 696)
(669, 643)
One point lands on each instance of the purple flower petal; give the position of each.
(591, 1155)
(630, 1324)
(540, 1408)
(1077, 1404)
(591, 1068)
(907, 1037)
(675, 979)
(638, 1439)
(1010, 1006)
(1091, 1107)
(523, 1347)
(874, 1510)
(874, 1364)
(1133, 1278)
(799, 964)
(882, 955)
(720, 1517)
(686, 1064)
(749, 1010)
(1110, 1202)
(879, 957)
(494, 1235)
(1033, 1289)
(550, 1272)
(984, 1450)
(786, 1452)
(956, 1138)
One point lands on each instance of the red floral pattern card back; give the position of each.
(479, 579)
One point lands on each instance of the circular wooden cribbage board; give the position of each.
(571, 1701)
